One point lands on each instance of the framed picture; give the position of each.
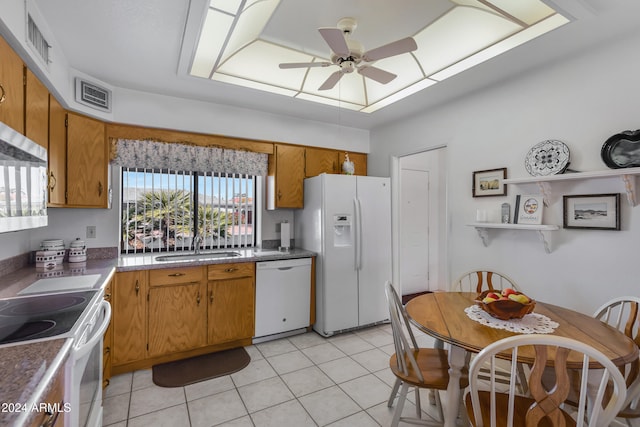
(528, 209)
(489, 183)
(592, 211)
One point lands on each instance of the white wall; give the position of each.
(153, 110)
(581, 101)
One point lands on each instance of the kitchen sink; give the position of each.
(202, 256)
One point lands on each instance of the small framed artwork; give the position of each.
(528, 209)
(592, 211)
(489, 183)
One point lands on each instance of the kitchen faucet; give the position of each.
(197, 241)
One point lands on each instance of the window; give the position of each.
(161, 207)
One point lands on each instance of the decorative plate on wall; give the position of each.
(547, 158)
(622, 150)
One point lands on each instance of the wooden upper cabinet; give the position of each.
(87, 169)
(286, 170)
(320, 160)
(36, 110)
(359, 162)
(11, 88)
(57, 153)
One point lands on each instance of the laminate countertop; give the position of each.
(27, 369)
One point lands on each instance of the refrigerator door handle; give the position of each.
(358, 231)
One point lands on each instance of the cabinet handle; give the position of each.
(100, 188)
(198, 298)
(279, 194)
(51, 419)
(176, 274)
(52, 181)
(107, 297)
(3, 97)
(137, 287)
(211, 297)
(230, 270)
(107, 350)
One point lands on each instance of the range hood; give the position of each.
(23, 182)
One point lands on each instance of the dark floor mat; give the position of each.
(200, 368)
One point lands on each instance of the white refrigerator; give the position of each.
(346, 220)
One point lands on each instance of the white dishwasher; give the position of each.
(283, 296)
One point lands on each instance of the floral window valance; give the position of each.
(162, 155)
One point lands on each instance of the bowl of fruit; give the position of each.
(506, 304)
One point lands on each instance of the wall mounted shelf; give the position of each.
(483, 231)
(627, 175)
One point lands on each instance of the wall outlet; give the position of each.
(91, 231)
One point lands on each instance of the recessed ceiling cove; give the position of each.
(356, 55)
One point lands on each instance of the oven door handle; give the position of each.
(82, 350)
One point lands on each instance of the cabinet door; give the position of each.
(129, 317)
(231, 309)
(319, 160)
(36, 110)
(107, 342)
(87, 184)
(57, 153)
(177, 318)
(359, 162)
(11, 88)
(289, 176)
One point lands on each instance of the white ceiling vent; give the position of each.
(92, 95)
(37, 40)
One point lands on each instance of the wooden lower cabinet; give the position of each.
(107, 343)
(231, 295)
(129, 318)
(177, 318)
(54, 399)
(168, 314)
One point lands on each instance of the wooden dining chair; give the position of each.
(489, 407)
(483, 280)
(414, 366)
(623, 314)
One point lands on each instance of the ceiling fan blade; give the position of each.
(392, 49)
(331, 81)
(381, 76)
(304, 64)
(335, 39)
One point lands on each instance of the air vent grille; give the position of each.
(93, 95)
(37, 40)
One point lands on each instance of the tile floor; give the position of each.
(303, 380)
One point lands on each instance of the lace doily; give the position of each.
(532, 323)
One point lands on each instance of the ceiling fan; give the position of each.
(349, 55)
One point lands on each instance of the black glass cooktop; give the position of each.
(40, 316)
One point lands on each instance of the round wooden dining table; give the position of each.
(442, 315)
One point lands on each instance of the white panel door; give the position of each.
(414, 231)
(374, 195)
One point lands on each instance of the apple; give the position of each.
(508, 291)
(493, 295)
(488, 299)
(521, 298)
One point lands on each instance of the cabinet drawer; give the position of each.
(228, 271)
(172, 276)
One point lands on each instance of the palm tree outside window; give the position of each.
(161, 207)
